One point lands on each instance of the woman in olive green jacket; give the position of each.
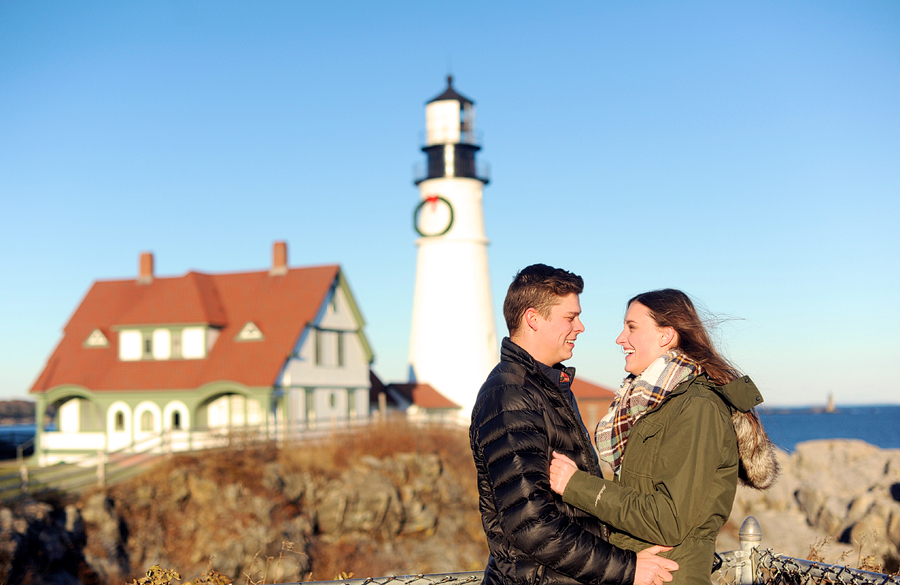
(679, 434)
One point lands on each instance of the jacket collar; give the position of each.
(510, 352)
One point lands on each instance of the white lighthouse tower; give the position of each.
(453, 344)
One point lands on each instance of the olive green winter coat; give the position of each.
(678, 476)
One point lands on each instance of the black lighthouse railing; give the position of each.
(464, 164)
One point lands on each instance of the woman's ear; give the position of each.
(668, 337)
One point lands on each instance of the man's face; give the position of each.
(556, 335)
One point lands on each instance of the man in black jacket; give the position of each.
(525, 410)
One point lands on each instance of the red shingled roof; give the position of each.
(424, 396)
(581, 388)
(281, 306)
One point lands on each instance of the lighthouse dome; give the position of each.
(451, 94)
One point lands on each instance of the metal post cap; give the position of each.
(750, 530)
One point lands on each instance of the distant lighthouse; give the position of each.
(453, 344)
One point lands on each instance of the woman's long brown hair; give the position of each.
(670, 307)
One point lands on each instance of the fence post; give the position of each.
(751, 536)
(101, 468)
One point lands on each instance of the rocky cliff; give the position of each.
(840, 497)
(385, 501)
(388, 500)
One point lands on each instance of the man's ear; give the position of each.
(531, 319)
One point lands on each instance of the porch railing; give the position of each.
(77, 471)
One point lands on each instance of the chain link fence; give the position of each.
(432, 579)
(778, 569)
(752, 565)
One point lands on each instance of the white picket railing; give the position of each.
(73, 472)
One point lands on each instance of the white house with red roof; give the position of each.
(183, 359)
(416, 401)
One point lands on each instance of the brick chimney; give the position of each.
(279, 259)
(146, 268)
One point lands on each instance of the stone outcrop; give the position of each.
(45, 537)
(253, 513)
(844, 491)
(249, 514)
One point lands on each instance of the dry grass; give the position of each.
(258, 571)
(868, 563)
(339, 452)
(817, 549)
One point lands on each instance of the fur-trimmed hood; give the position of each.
(759, 467)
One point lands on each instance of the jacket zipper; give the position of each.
(539, 574)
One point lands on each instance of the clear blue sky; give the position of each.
(746, 152)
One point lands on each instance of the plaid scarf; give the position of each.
(637, 396)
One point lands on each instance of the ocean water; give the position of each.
(11, 436)
(875, 424)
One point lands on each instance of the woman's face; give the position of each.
(642, 340)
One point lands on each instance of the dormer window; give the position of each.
(159, 344)
(130, 345)
(250, 332)
(193, 343)
(96, 339)
(162, 344)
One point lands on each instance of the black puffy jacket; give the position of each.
(519, 419)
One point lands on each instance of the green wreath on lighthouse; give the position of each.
(433, 200)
